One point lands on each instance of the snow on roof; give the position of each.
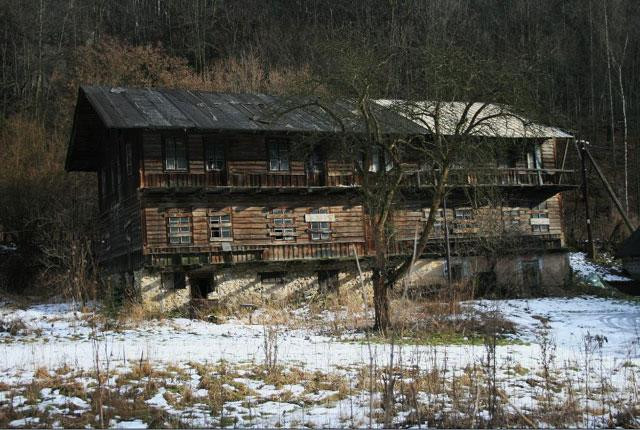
(486, 119)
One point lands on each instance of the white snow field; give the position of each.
(573, 362)
(57, 337)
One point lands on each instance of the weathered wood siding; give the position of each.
(251, 223)
(486, 221)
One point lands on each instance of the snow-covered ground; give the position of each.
(584, 269)
(57, 336)
(576, 354)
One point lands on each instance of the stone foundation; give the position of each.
(257, 284)
(157, 291)
(240, 284)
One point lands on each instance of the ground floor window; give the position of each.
(457, 271)
(173, 281)
(272, 278)
(540, 218)
(328, 280)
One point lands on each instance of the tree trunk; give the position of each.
(380, 302)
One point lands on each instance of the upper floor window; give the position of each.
(128, 155)
(220, 227)
(273, 278)
(282, 224)
(320, 225)
(179, 229)
(377, 160)
(175, 154)
(214, 156)
(278, 156)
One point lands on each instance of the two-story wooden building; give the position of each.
(238, 197)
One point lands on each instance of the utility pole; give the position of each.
(591, 249)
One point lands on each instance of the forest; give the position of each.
(569, 63)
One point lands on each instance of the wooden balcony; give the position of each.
(485, 177)
(495, 177)
(470, 244)
(208, 255)
(245, 180)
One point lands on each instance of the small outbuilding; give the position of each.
(629, 252)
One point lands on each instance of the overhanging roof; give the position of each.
(165, 109)
(99, 108)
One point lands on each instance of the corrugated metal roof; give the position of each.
(154, 108)
(491, 120)
(126, 108)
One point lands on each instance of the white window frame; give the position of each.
(539, 219)
(279, 156)
(320, 230)
(214, 156)
(179, 231)
(220, 223)
(174, 160)
(283, 226)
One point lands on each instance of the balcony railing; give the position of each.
(248, 180)
(202, 255)
(500, 177)
(494, 177)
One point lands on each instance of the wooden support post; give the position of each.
(591, 250)
(613, 196)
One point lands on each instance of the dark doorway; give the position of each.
(531, 273)
(201, 287)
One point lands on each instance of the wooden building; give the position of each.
(206, 195)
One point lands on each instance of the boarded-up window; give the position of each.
(220, 227)
(278, 155)
(175, 154)
(320, 226)
(214, 156)
(282, 224)
(179, 230)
